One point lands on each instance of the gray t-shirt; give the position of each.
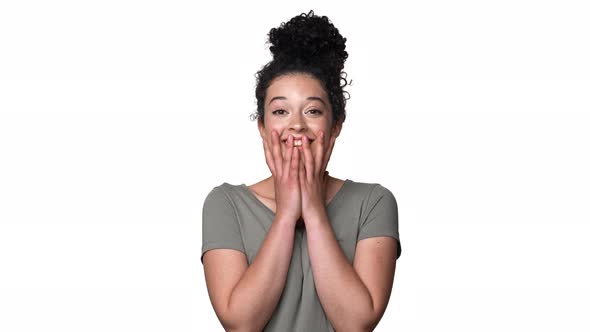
(234, 218)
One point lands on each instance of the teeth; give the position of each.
(297, 142)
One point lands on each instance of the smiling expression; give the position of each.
(297, 104)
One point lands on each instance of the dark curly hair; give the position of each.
(306, 44)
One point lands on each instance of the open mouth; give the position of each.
(298, 142)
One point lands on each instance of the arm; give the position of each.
(354, 297)
(245, 297)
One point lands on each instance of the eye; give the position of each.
(279, 110)
(315, 112)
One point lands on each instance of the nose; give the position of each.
(297, 123)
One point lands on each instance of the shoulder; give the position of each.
(370, 191)
(222, 192)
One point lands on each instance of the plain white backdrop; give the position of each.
(118, 117)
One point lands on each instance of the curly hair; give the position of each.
(306, 44)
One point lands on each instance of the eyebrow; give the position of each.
(308, 98)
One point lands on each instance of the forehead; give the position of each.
(295, 86)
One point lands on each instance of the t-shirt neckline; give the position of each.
(251, 194)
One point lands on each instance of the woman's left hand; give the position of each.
(313, 177)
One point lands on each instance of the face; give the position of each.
(297, 104)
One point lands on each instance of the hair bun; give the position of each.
(310, 39)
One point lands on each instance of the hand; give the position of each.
(285, 172)
(313, 176)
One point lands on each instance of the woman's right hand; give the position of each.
(285, 172)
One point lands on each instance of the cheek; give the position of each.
(315, 150)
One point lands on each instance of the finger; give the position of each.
(268, 156)
(320, 153)
(276, 152)
(301, 175)
(329, 152)
(288, 156)
(308, 159)
(294, 162)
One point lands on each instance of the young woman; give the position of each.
(300, 250)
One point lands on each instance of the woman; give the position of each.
(300, 250)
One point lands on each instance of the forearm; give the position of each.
(344, 297)
(255, 297)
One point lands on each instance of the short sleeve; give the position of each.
(220, 223)
(380, 218)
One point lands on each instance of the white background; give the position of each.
(118, 117)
